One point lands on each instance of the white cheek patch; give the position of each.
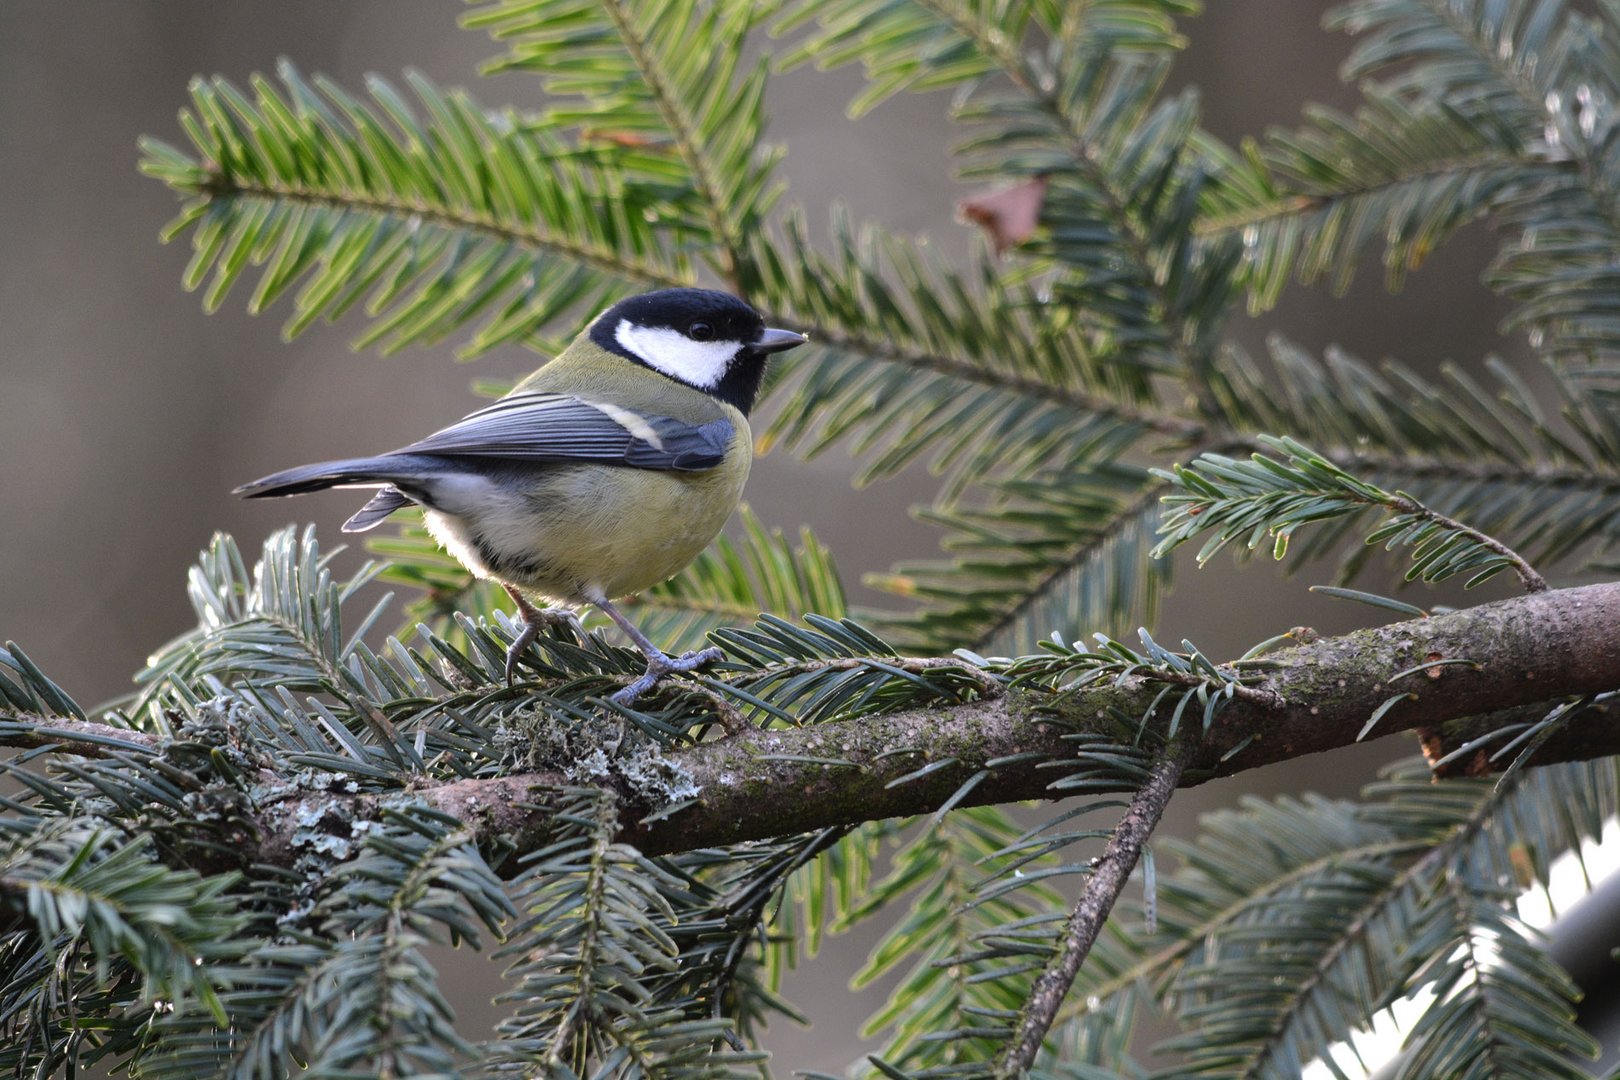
(697, 363)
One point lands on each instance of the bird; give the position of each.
(603, 473)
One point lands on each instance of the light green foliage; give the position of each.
(1058, 542)
(426, 226)
(971, 371)
(1078, 398)
(666, 72)
(1264, 500)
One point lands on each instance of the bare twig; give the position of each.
(1107, 880)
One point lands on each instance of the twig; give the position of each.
(219, 186)
(86, 738)
(732, 720)
(1258, 696)
(1107, 880)
(1532, 581)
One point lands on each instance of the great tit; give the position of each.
(603, 473)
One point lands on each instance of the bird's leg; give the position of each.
(659, 663)
(533, 618)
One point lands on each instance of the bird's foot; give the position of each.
(660, 665)
(533, 619)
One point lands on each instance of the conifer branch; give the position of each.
(1122, 519)
(464, 219)
(1529, 577)
(1159, 421)
(1418, 468)
(1534, 649)
(1298, 204)
(1108, 877)
(1154, 963)
(684, 133)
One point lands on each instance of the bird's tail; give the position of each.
(352, 472)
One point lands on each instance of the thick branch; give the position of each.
(1531, 651)
(1536, 648)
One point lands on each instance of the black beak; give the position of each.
(772, 341)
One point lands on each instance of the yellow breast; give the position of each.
(602, 527)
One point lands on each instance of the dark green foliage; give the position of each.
(1292, 922)
(591, 952)
(1053, 387)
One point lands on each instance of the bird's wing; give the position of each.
(382, 504)
(562, 428)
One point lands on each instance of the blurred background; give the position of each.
(127, 414)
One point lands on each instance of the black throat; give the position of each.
(739, 386)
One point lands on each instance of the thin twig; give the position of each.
(220, 186)
(1107, 880)
(684, 131)
(732, 720)
(1532, 581)
(1254, 695)
(86, 738)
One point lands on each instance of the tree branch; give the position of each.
(86, 738)
(1532, 651)
(466, 219)
(684, 132)
(1108, 877)
(1528, 576)
(1156, 420)
(1300, 203)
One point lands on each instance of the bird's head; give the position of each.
(708, 340)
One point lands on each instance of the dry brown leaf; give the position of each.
(1008, 216)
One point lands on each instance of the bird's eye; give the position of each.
(700, 331)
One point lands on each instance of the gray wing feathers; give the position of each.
(556, 427)
(382, 504)
(353, 472)
(523, 428)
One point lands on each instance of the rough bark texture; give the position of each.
(1530, 653)
(1108, 877)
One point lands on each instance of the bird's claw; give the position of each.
(532, 621)
(661, 665)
